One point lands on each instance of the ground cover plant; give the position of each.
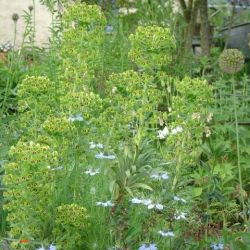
(118, 145)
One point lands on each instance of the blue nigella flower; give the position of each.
(216, 246)
(109, 29)
(151, 246)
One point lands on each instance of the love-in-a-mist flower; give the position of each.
(162, 134)
(93, 145)
(74, 118)
(105, 204)
(92, 172)
(180, 216)
(104, 156)
(177, 198)
(136, 200)
(217, 246)
(160, 176)
(52, 247)
(155, 206)
(176, 130)
(166, 233)
(151, 246)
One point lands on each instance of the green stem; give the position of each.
(238, 150)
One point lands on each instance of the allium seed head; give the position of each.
(231, 61)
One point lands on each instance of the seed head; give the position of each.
(231, 61)
(31, 7)
(15, 17)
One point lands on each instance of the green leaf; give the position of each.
(197, 191)
(143, 186)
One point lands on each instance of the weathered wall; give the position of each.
(8, 7)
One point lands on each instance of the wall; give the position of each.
(8, 7)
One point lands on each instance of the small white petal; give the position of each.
(159, 206)
(146, 202)
(151, 206)
(136, 201)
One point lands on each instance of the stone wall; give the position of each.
(8, 7)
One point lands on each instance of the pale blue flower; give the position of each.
(156, 206)
(180, 216)
(146, 202)
(92, 172)
(52, 247)
(218, 246)
(93, 145)
(160, 176)
(105, 204)
(104, 156)
(176, 130)
(74, 118)
(109, 29)
(136, 200)
(177, 198)
(166, 234)
(148, 247)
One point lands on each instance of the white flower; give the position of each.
(163, 133)
(157, 206)
(105, 204)
(132, 10)
(207, 131)
(219, 246)
(148, 247)
(146, 202)
(92, 172)
(180, 216)
(166, 234)
(123, 11)
(103, 156)
(78, 118)
(210, 117)
(41, 248)
(176, 130)
(52, 247)
(93, 145)
(196, 116)
(136, 201)
(114, 90)
(163, 176)
(177, 198)
(93, 190)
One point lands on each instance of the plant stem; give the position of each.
(238, 150)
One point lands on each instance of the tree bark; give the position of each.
(204, 31)
(194, 8)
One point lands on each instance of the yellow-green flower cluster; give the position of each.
(152, 47)
(48, 133)
(29, 183)
(84, 30)
(36, 93)
(70, 224)
(132, 101)
(189, 112)
(59, 126)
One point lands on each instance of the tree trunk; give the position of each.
(204, 32)
(190, 12)
(191, 25)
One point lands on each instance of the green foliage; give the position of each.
(152, 47)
